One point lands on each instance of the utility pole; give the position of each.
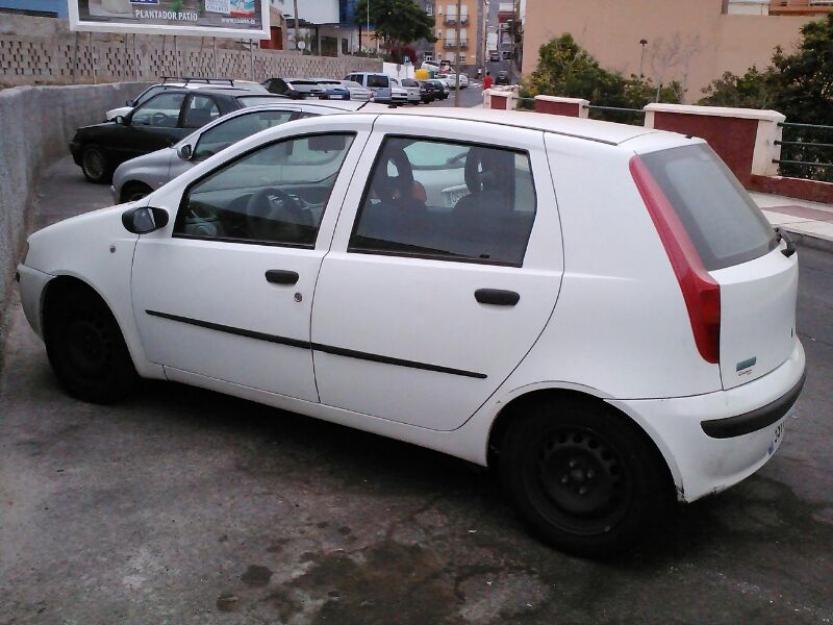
(457, 58)
(484, 34)
(295, 2)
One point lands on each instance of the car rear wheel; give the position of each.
(582, 476)
(133, 191)
(85, 346)
(94, 165)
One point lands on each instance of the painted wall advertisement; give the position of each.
(208, 18)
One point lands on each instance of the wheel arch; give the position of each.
(515, 407)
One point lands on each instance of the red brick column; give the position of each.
(569, 107)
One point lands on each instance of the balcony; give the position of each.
(450, 44)
(450, 19)
(800, 7)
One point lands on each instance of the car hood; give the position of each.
(154, 159)
(121, 110)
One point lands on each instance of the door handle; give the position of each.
(281, 276)
(497, 297)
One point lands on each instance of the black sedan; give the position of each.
(159, 122)
(295, 88)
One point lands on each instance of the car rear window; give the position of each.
(377, 81)
(722, 221)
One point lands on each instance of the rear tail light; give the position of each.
(700, 292)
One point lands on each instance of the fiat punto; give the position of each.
(597, 311)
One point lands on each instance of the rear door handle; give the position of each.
(281, 276)
(497, 297)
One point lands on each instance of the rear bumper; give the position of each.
(714, 441)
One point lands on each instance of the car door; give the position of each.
(152, 126)
(224, 291)
(444, 270)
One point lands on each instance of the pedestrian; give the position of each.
(488, 82)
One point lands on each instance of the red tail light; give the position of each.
(700, 292)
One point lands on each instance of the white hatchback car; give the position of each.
(597, 310)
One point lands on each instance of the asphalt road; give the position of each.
(186, 507)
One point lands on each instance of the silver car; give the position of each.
(142, 175)
(357, 92)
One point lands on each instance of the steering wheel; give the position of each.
(274, 214)
(158, 118)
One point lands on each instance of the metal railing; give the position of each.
(801, 146)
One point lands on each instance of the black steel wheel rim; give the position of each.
(94, 163)
(580, 482)
(88, 347)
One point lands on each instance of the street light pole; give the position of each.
(643, 43)
(457, 58)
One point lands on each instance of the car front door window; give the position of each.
(161, 111)
(274, 196)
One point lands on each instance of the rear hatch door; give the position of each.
(741, 252)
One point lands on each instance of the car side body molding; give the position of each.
(327, 349)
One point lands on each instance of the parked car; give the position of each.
(136, 178)
(357, 92)
(415, 92)
(333, 89)
(502, 78)
(186, 82)
(159, 122)
(451, 80)
(295, 88)
(441, 88)
(494, 56)
(429, 91)
(630, 343)
(385, 89)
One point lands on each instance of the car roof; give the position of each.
(589, 129)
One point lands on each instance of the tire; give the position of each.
(86, 348)
(583, 477)
(133, 191)
(95, 166)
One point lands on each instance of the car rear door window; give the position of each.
(224, 134)
(199, 111)
(723, 222)
(275, 195)
(161, 110)
(447, 201)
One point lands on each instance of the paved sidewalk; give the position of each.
(812, 222)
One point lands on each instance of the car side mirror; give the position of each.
(185, 152)
(144, 219)
(121, 119)
(130, 103)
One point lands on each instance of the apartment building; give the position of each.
(469, 19)
(690, 41)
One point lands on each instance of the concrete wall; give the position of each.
(688, 40)
(36, 124)
(43, 51)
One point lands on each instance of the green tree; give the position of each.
(567, 69)
(799, 85)
(398, 22)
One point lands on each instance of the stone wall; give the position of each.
(36, 125)
(44, 51)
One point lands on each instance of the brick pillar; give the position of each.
(570, 107)
(743, 138)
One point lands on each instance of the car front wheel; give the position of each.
(85, 346)
(94, 165)
(582, 476)
(133, 191)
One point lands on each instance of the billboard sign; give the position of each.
(247, 19)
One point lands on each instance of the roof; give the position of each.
(589, 129)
